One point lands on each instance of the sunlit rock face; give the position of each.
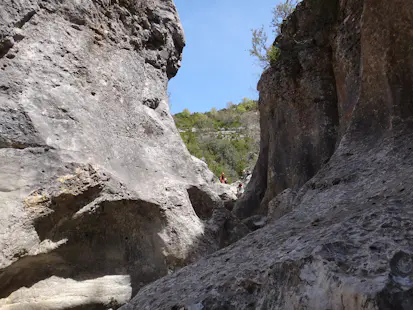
(96, 187)
(335, 171)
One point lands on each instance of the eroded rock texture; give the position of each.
(96, 186)
(336, 144)
(298, 108)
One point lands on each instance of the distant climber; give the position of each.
(222, 178)
(240, 190)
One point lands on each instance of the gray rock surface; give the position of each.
(94, 178)
(281, 205)
(336, 120)
(298, 109)
(57, 293)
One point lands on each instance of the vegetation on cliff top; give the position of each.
(227, 140)
(268, 54)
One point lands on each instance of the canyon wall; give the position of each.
(334, 176)
(98, 194)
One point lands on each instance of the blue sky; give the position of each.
(216, 66)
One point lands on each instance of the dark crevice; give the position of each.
(64, 206)
(19, 146)
(26, 18)
(202, 203)
(153, 63)
(17, 130)
(398, 293)
(156, 42)
(152, 103)
(5, 46)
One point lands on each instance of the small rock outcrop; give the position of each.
(98, 194)
(335, 171)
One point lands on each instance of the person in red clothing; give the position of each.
(222, 178)
(240, 190)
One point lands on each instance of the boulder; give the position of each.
(109, 292)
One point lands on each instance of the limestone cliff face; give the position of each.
(315, 97)
(298, 107)
(335, 172)
(98, 194)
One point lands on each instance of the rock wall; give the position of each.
(97, 189)
(335, 169)
(298, 108)
(308, 99)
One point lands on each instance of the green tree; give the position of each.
(241, 108)
(186, 113)
(268, 54)
(280, 14)
(273, 54)
(247, 105)
(259, 46)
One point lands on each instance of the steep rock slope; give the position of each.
(97, 189)
(343, 239)
(298, 109)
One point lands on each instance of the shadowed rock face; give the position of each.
(298, 109)
(96, 186)
(321, 92)
(336, 144)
